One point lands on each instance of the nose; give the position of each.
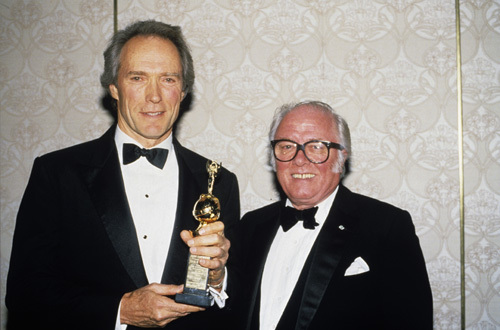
(153, 93)
(300, 159)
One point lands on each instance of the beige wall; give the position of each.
(389, 67)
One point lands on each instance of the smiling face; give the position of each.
(149, 89)
(307, 184)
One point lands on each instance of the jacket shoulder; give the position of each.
(365, 205)
(373, 218)
(89, 151)
(196, 162)
(271, 210)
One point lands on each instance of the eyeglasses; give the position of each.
(316, 151)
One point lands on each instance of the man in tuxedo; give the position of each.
(101, 239)
(351, 262)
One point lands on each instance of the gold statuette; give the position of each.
(206, 210)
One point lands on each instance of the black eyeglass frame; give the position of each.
(328, 144)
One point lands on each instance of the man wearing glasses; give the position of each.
(351, 262)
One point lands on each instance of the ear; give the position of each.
(345, 154)
(114, 91)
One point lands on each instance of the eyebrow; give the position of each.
(143, 73)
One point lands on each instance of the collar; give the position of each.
(323, 207)
(121, 138)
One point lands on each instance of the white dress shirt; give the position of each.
(152, 197)
(284, 263)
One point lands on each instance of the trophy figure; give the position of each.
(206, 210)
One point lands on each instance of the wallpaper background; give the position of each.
(388, 66)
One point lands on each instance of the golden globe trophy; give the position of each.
(206, 210)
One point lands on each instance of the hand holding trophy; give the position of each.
(206, 210)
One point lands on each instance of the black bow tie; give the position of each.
(156, 156)
(290, 216)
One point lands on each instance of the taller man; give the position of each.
(99, 226)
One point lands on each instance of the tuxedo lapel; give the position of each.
(268, 230)
(251, 239)
(107, 191)
(190, 188)
(326, 253)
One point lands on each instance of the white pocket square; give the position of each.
(358, 266)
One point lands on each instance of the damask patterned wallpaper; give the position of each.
(388, 66)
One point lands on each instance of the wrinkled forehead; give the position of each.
(306, 123)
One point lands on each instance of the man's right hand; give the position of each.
(150, 307)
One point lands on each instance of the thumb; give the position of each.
(166, 289)
(186, 235)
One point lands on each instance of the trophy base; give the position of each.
(194, 297)
(195, 288)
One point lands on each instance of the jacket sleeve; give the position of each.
(407, 294)
(39, 291)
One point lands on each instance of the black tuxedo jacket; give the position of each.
(75, 250)
(394, 294)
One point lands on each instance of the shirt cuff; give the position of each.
(118, 325)
(220, 297)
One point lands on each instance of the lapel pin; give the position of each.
(341, 227)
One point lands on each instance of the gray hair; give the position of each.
(340, 123)
(147, 28)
